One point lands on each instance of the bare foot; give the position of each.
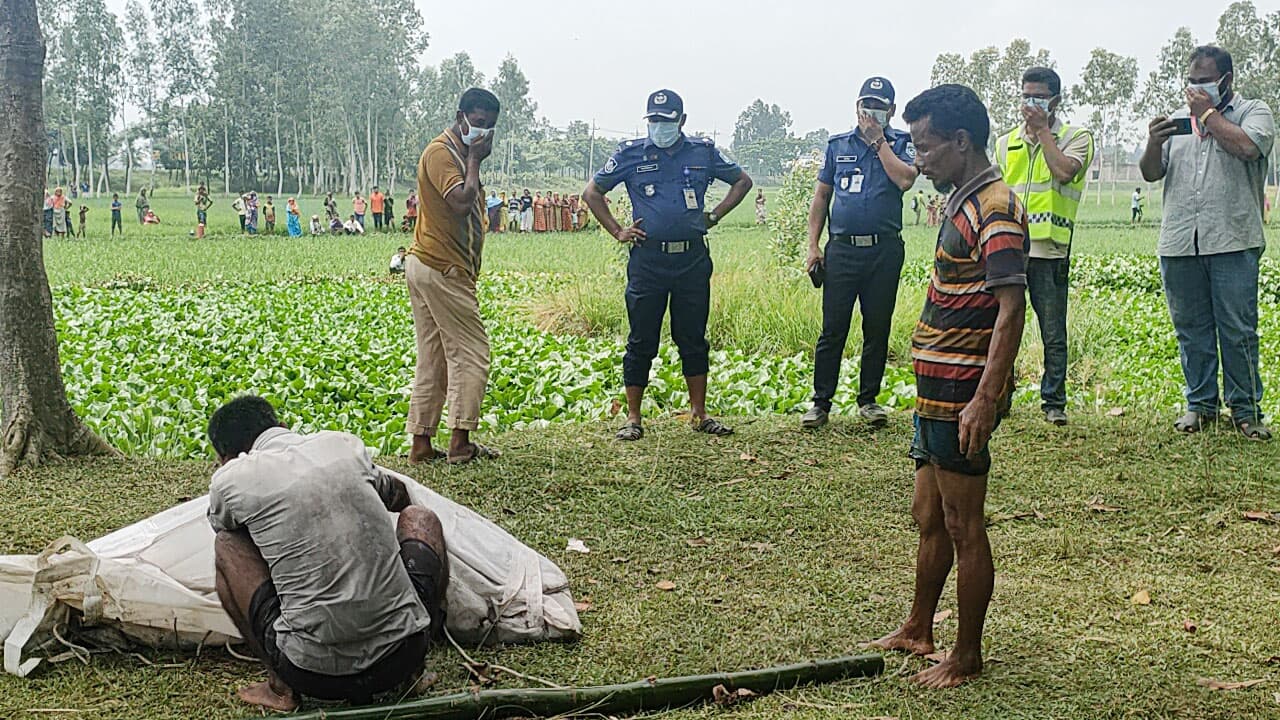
(262, 695)
(949, 673)
(423, 684)
(422, 451)
(905, 639)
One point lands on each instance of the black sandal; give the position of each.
(629, 432)
(711, 426)
(1193, 422)
(478, 452)
(1257, 432)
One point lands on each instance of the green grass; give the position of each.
(810, 554)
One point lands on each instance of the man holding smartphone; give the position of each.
(1211, 238)
(860, 189)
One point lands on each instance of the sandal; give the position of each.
(438, 455)
(1256, 432)
(477, 452)
(711, 426)
(629, 432)
(1193, 422)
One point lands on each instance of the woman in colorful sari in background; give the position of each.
(540, 213)
(59, 212)
(294, 218)
(48, 213)
(251, 213)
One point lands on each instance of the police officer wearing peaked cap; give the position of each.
(859, 195)
(667, 174)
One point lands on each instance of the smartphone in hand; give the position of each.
(1182, 126)
(817, 274)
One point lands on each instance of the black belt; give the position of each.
(675, 247)
(865, 240)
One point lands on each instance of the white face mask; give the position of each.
(1215, 93)
(1041, 103)
(880, 116)
(474, 133)
(664, 134)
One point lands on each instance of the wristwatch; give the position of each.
(875, 146)
(714, 218)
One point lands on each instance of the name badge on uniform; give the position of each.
(647, 168)
(855, 183)
(690, 199)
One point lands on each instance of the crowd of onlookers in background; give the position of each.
(535, 212)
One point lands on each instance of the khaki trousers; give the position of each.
(453, 348)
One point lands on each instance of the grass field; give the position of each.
(808, 540)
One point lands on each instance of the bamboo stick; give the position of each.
(628, 698)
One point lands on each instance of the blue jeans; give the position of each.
(1047, 281)
(1213, 302)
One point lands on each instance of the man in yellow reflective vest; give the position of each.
(1045, 162)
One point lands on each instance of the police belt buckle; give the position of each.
(865, 240)
(673, 248)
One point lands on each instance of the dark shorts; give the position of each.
(400, 665)
(937, 443)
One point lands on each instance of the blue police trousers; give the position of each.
(868, 275)
(654, 281)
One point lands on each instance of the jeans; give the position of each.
(856, 274)
(1047, 281)
(1213, 302)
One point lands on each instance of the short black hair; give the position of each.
(236, 425)
(950, 108)
(1221, 58)
(479, 99)
(1043, 75)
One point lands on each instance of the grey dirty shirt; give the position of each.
(316, 507)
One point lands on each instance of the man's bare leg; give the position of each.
(423, 450)
(697, 396)
(635, 396)
(963, 497)
(933, 563)
(240, 570)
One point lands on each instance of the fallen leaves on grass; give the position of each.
(1116, 412)
(1221, 685)
(938, 617)
(582, 605)
(723, 696)
(761, 546)
(576, 545)
(697, 542)
(734, 481)
(1002, 517)
(1142, 597)
(615, 407)
(665, 585)
(1190, 626)
(1262, 516)
(748, 457)
(1097, 504)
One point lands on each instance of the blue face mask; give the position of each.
(1041, 103)
(664, 134)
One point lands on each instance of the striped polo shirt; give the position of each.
(982, 245)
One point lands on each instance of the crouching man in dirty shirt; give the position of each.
(338, 602)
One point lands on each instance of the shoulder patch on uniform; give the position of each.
(911, 149)
(609, 166)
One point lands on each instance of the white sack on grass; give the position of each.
(154, 581)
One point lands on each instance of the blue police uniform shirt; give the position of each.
(656, 181)
(864, 200)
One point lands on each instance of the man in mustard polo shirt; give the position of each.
(441, 271)
(1046, 162)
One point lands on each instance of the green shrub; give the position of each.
(789, 216)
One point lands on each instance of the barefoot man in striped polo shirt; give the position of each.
(964, 347)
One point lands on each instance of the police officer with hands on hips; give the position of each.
(667, 175)
(859, 190)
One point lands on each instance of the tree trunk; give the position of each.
(89, 139)
(75, 151)
(226, 151)
(37, 423)
(128, 161)
(297, 155)
(186, 150)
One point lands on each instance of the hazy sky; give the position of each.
(598, 61)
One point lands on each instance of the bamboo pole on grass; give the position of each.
(628, 698)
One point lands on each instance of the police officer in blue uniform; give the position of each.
(667, 175)
(859, 190)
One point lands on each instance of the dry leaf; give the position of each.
(721, 695)
(1220, 685)
(1261, 516)
(666, 585)
(1190, 626)
(697, 542)
(1142, 597)
(615, 407)
(747, 457)
(576, 545)
(761, 546)
(1116, 412)
(789, 531)
(940, 616)
(1097, 505)
(1273, 660)
(582, 606)
(734, 481)
(809, 461)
